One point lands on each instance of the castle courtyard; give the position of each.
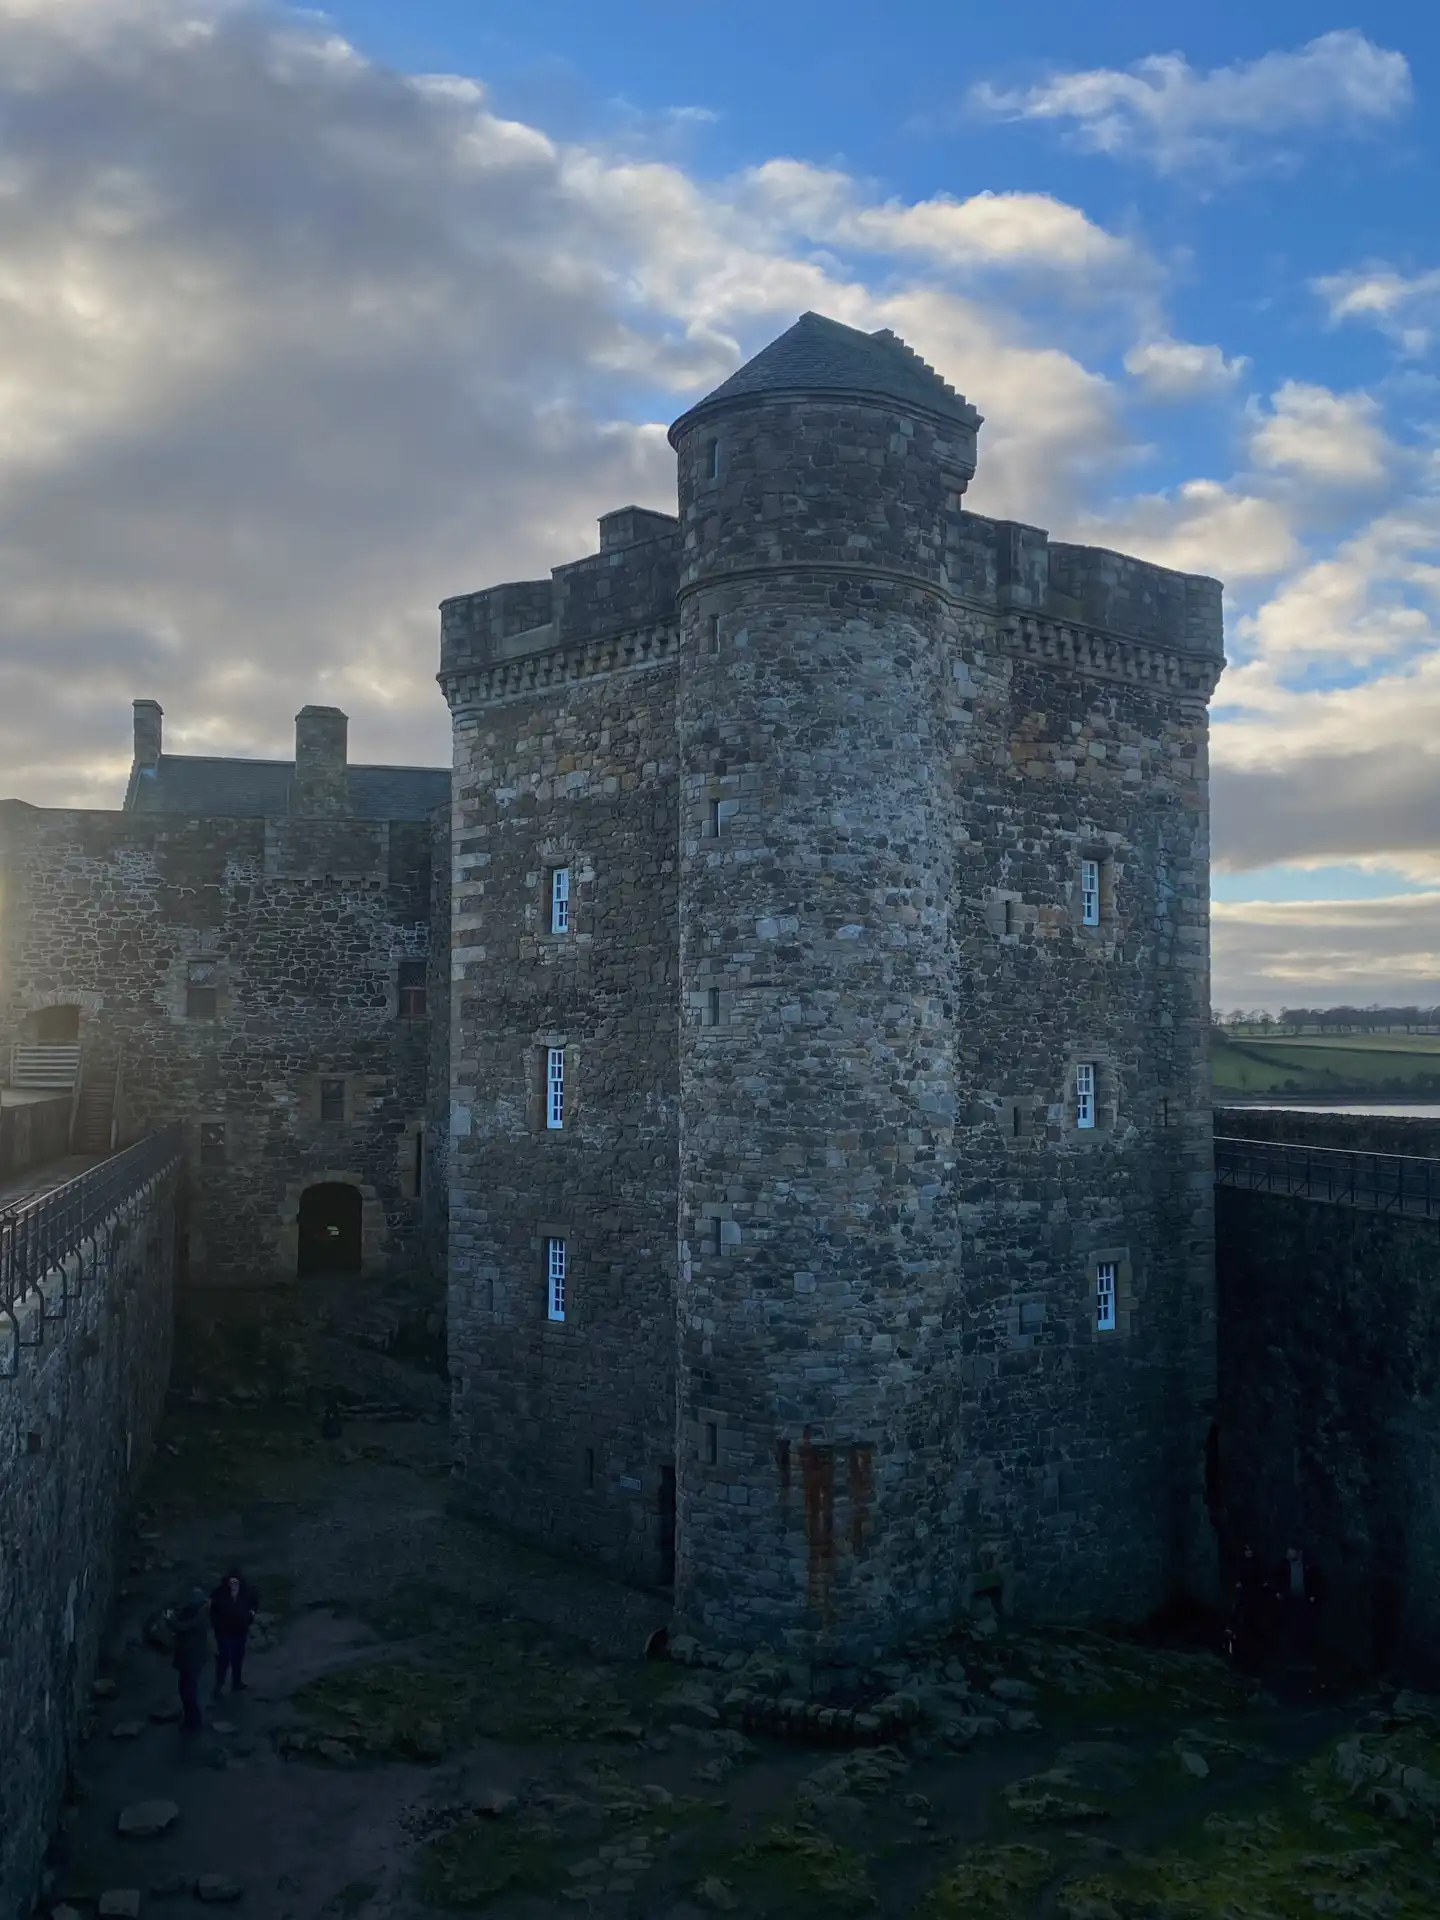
(441, 1720)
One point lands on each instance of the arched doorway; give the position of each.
(329, 1236)
(57, 1026)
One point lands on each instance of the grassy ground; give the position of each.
(1396, 1065)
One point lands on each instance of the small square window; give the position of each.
(1085, 1094)
(332, 1101)
(1090, 893)
(559, 899)
(554, 1088)
(410, 982)
(1105, 1279)
(212, 1143)
(201, 1003)
(555, 1273)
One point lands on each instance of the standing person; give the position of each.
(1299, 1592)
(192, 1651)
(233, 1607)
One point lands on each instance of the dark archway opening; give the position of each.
(57, 1026)
(330, 1229)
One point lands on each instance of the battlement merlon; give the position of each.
(629, 584)
(1017, 568)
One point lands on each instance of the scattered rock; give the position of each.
(169, 1885)
(223, 1726)
(120, 1903)
(103, 1689)
(217, 1888)
(1194, 1763)
(718, 1894)
(1008, 1688)
(127, 1730)
(495, 1801)
(145, 1818)
(1022, 1720)
(163, 1716)
(64, 1913)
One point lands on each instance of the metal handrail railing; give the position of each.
(39, 1236)
(1342, 1176)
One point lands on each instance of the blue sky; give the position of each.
(310, 319)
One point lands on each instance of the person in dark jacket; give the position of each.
(1299, 1596)
(233, 1606)
(192, 1652)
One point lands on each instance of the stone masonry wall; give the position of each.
(301, 924)
(77, 1422)
(1330, 1390)
(566, 1429)
(892, 1387)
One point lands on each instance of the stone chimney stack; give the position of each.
(320, 783)
(149, 721)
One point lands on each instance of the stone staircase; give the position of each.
(93, 1123)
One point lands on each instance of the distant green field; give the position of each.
(1360, 1064)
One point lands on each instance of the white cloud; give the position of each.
(291, 346)
(1025, 230)
(1405, 307)
(1331, 951)
(1329, 439)
(1164, 111)
(1168, 369)
(1201, 526)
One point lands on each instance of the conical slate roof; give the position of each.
(819, 356)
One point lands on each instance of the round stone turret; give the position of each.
(817, 869)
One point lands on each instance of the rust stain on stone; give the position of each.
(862, 1487)
(817, 1477)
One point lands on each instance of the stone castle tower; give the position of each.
(880, 1189)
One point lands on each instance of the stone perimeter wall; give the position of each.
(1330, 1389)
(77, 1425)
(304, 923)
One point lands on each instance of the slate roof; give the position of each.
(818, 355)
(199, 786)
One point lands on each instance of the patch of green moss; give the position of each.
(796, 1873)
(480, 1859)
(467, 1679)
(988, 1883)
(1327, 1842)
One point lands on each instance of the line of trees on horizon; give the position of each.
(1372, 1019)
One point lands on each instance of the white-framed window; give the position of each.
(559, 900)
(1105, 1278)
(554, 1087)
(1085, 1094)
(555, 1277)
(1090, 893)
